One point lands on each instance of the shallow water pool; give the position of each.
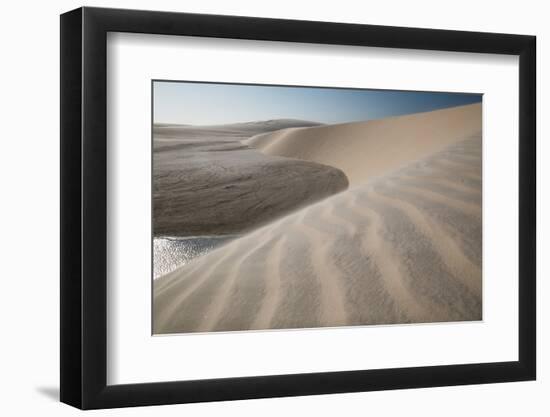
(172, 252)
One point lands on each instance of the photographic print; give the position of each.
(295, 207)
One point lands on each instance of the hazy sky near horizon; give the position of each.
(213, 104)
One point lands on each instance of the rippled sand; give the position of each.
(402, 245)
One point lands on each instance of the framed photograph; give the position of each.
(257, 208)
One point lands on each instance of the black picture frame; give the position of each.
(84, 207)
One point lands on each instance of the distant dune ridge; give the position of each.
(402, 244)
(233, 130)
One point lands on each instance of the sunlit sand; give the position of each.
(396, 238)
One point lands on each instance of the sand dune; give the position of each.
(365, 150)
(402, 245)
(205, 181)
(233, 130)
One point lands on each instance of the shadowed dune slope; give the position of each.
(206, 182)
(364, 150)
(404, 247)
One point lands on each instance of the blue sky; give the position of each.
(212, 103)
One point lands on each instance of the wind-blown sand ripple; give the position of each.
(400, 246)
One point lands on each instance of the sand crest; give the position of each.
(365, 150)
(401, 245)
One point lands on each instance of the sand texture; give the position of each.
(368, 149)
(402, 244)
(205, 181)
